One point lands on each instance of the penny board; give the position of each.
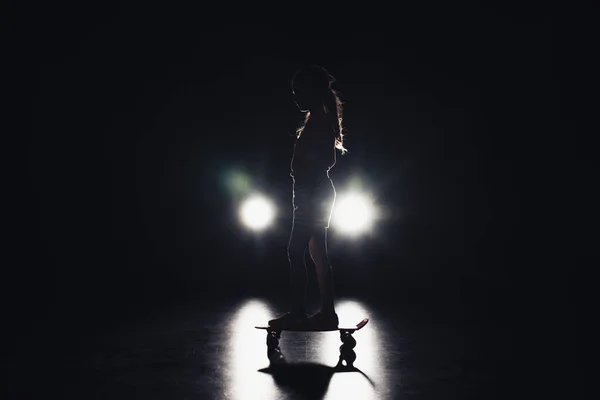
(358, 326)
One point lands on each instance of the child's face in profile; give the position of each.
(306, 98)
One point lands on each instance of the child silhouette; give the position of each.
(313, 196)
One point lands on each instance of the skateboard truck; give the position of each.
(347, 353)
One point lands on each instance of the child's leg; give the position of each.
(318, 253)
(299, 239)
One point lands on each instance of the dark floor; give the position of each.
(212, 351)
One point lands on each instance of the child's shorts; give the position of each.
(313, 204)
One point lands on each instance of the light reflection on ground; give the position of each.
(346, 385)
(314, 354)
(246, 354)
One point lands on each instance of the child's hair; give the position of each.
(331, 104)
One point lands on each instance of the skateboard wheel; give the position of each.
(348, 340)
(275, 333)
(344, 348)
(272, 340)
(349, 356)
(274, 354)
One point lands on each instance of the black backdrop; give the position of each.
(134, 115)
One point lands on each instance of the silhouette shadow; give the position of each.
(306, 379)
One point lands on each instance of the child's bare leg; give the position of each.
(318, 252)
(296, 250)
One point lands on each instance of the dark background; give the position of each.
(132, 115)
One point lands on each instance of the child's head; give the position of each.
(312, 90)
(310, 86)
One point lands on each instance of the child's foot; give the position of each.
(323, 321)
(289, 320)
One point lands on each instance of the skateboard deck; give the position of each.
(353, 329)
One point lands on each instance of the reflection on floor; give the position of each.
(310, 358)
(218, 354)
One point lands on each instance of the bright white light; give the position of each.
(353, 214)
(257, 213)
(370, 351)
(245, 353)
